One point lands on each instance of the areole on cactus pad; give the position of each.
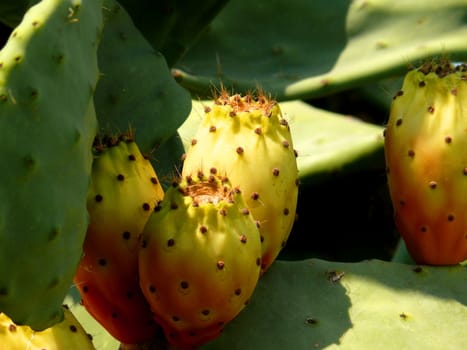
(426, 156)
(200, 259)
(123, 192)
(248, 140)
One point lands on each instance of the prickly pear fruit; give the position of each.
(199, 260)
(426, 156)
(249, 141)
(48, 71)
(123, 192)
(67, 334)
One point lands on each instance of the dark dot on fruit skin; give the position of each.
(261, 239)
(152, 289)
(258, 261)
(451, 217)
(132, 157)
(207, 109)
(102, 262)
(212, 128)
(411, 153)
(240, 150)
(433, 184)
(73, 328)
(175, 318)
(464, 171)
(213, 171)
(220, 264)
(194, 142)
(275, 172)
(223, 212)
(146, 207)
(431, 109)
(154, 180)
(283, 122)
(173, 206)
(245, 211)
(98, 198)
(184, 284)
(243, 239)
(422, 84)
(203, 229)
(170, 242)
(206, 312)
(238, 291)
(85, 289)
(120, 177)
(423, 229)
(286, 211)
(114, 315)
(448, 139)
(232, 114)
(12, 328)
(258, 131)
(398, 122)
(285, 144)
(129, 294)
(401, 202)
(126, 235)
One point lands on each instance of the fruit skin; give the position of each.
(199, 260)
(68, 334)
(250, 142)
(425, 148)
(124, 190)
(47, 77)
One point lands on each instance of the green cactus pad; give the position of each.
(172, 26)
(316, 304)
(48, 72)
(304, 49)
(136, 89)
(328, 144)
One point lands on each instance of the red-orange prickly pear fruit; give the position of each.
(124, 190)
(200, 259)
(249, 141)
(426, 156)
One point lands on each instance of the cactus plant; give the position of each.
(46, 155)
(323, 55)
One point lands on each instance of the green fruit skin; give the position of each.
(250, 142)
(425, 147)
(124, 190)
(48, 72)
(199, 260)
